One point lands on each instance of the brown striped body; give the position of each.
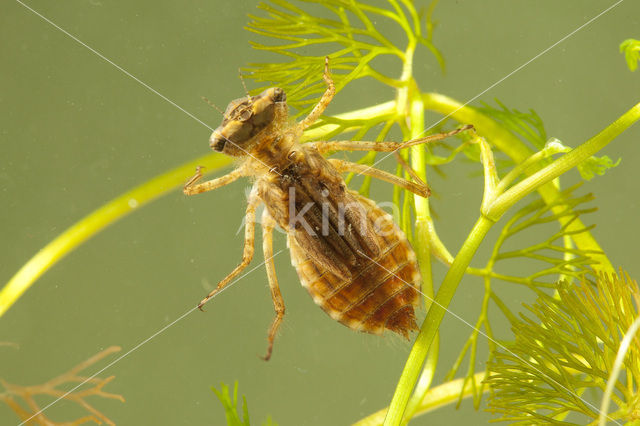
(381, 293)
(358, 267)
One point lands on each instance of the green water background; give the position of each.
(76, 132)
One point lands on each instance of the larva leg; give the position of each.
(191, 188)
(247, 254)
(326, 146)
(419, 188)
(324, 101)
(278, 302)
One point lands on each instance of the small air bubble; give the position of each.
(133, 203)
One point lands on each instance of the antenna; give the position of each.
(243, 85)
(211, 104)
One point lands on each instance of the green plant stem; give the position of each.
(508, 143)
(563, 164)
(435, 398)
(623, 350)
(96, 221)
(424, 382)
(493, 209)
(499, 137)
(422, 244)
(519, 169)
(432, 321)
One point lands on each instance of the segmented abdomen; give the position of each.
(381, 293)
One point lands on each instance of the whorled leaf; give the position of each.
(596, 166)
(230, 404)
(590, 167)
(529, 128)
(347, 31)
(563, 353)
(27, 401)
(631, 49)
(548, 255)
(551, 252)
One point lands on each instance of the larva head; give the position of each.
(244, 120)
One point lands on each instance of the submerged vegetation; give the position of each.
(562, 356)
(23, 400)
(230, 404)
(566, 347)
(530, 168)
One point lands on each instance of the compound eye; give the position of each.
(278, 95)
(263, 110)
(235, 132)
(244, 114)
